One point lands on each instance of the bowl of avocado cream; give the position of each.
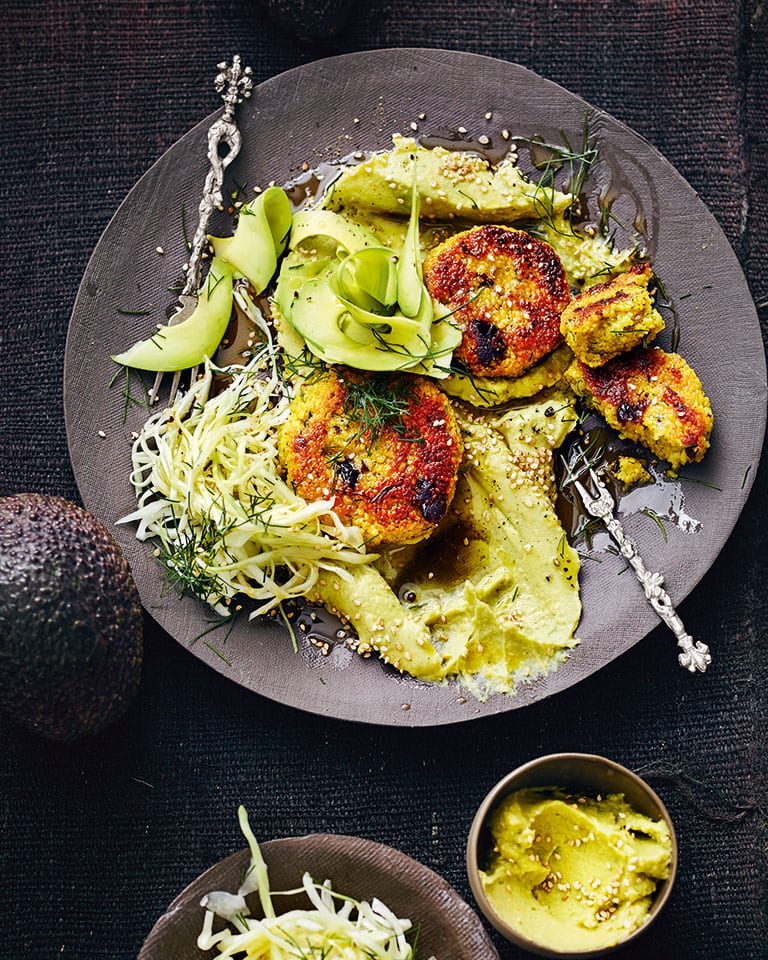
(571, 855)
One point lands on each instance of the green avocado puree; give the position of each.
(574, 873)
(492, 596)
(450, 184)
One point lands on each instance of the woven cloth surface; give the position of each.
(99, 837)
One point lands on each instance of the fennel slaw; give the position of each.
(208, 485)
(334, 927)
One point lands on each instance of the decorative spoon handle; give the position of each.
(695, 655)
(234, 83)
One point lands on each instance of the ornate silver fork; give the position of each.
(695, 655)
(234, 83)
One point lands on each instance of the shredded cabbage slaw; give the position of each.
(208, 485)
(335, 927)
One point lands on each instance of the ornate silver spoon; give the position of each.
(234, 83)
(695, 655)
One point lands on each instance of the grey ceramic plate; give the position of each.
(326, 110)
(447, 927)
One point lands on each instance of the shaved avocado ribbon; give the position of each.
(367, 281)
(259, 239)
(186, 344)
(252, 252)
(363, 305)
(412, 295)
(346, 235)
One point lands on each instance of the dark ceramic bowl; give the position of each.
(307, 114)
(577, 773)
(357, 867)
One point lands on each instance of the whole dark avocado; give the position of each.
(71, 628)
(309, 19)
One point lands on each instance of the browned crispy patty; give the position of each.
(508, 290)
(652, 397)
(612, 317)
(385, 448)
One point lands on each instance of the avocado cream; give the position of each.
(574, 873)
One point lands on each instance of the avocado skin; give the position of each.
(71, 626)
(309, 19)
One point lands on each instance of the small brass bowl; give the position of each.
(578, 773)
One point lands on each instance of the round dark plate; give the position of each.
(359, 868)
(327, 110)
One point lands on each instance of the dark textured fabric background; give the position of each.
(96, 839)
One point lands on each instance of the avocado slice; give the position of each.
(71, 643)
(259, 239)
(347, 235)
(185, 344)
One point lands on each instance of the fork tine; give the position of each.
(600, 484)
(174, 386)
(153, 393)
(582, 491)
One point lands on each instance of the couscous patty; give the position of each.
(507, 289)
(612, 317)
(386, 449)
(652, 397)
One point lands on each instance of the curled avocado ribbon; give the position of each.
(252, 252)
(364, 305)
(259, 239)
